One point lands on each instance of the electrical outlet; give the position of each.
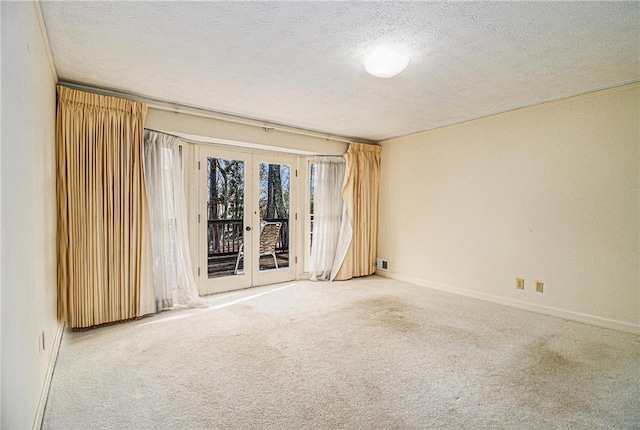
(520, 283)
(539, 287)
(382, 264)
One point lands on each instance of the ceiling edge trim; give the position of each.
(208, 113)
(610, 87)
(45, 39)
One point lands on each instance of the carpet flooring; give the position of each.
(369, 353)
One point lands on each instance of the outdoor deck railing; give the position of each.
(225, 236)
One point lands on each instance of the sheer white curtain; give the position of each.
(173, 279)
(327, 215)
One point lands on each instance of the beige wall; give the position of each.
(28, 219)
(548, 193)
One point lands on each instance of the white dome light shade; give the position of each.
(384, 63)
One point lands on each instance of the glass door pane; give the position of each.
(274, 203)
(245, 221)
(225, 217)
(225, 220)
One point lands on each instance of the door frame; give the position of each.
(252, 275)
(266, 277)
(224, 283)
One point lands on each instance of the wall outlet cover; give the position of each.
(539, 286)
(382, 264)
(520, 283)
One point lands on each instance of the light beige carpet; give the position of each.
(369, 353)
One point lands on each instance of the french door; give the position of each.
(246, 219)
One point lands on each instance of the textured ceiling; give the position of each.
(302, 63)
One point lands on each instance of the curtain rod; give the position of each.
(243, 145)
(207, 113)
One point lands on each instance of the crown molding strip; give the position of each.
(45, 39)
(615, 86)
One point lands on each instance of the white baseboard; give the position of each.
(561, 313)
(53, 356)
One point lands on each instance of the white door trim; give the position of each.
(252, 276)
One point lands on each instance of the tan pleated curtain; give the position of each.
(360, 194)
(102, 218)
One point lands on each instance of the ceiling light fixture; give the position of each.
(385, 63)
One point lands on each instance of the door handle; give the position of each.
(248, 228)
